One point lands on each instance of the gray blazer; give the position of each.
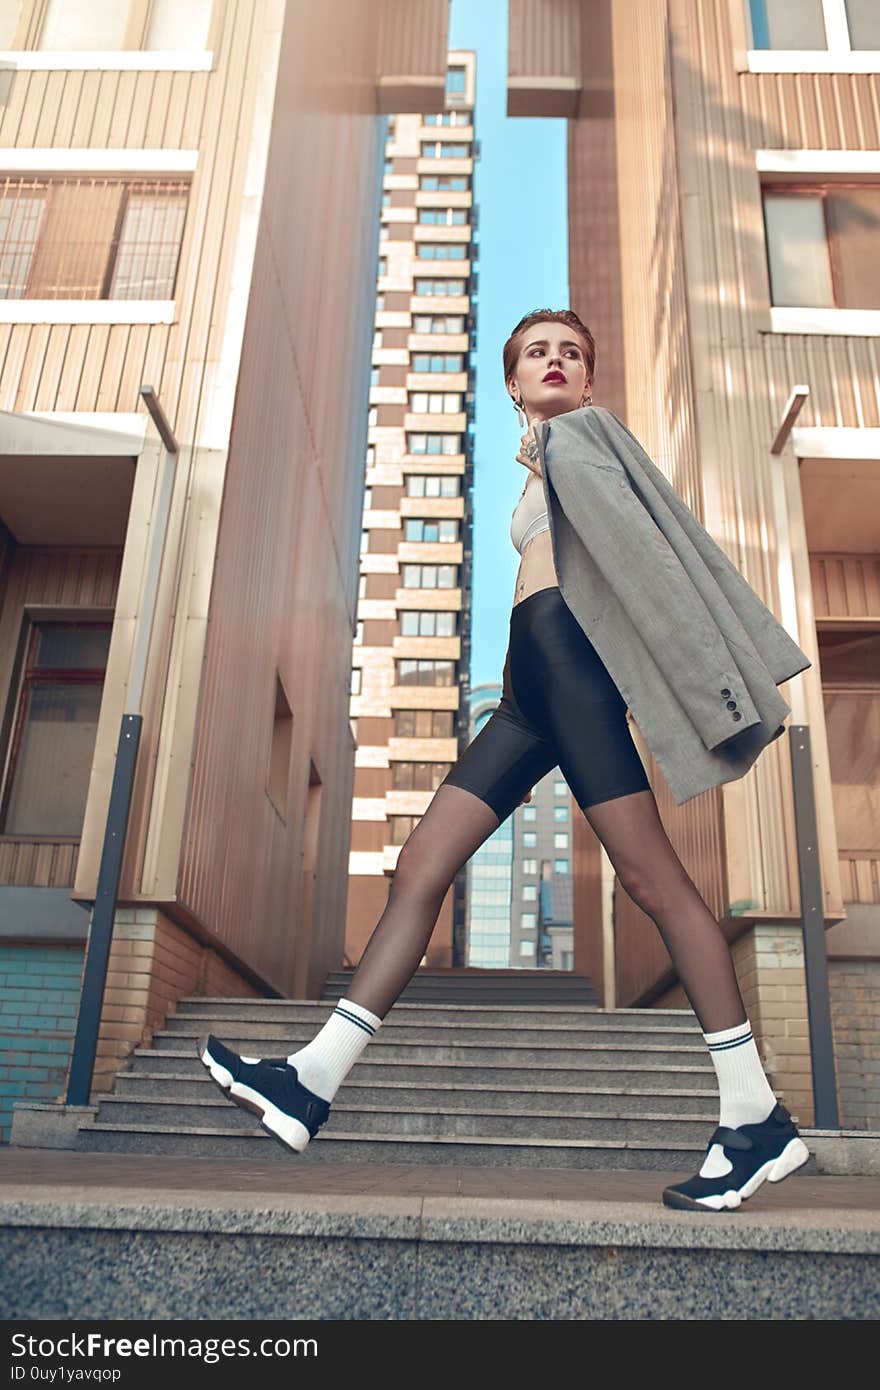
(688, 643)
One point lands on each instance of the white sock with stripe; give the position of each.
(747, 1097)
(323, 1064)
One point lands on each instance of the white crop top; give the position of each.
(530, 514)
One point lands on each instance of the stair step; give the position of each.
(444, 1034)
(404, 1067)
(576, 1123)
(402, 1095)
(261, 1042)
(482, 1151)
(315, 1013)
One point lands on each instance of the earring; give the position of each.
(588, 400)
(519, 414)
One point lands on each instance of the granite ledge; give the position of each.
(446, 1220)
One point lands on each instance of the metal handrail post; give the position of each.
(85, 1045)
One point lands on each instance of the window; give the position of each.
(442, 250)
(173, 25)
(530, 866)
(527, 948)
(530, 892)
(437, 362)
(822, 245)
(530, 812)
(427, 623)
(443, 217)
(423, 723)
(433, 444)
(359, 635)
(443, 183)
(355, 680)
(383, 265)
(435, 402)
(438, 323)
(374, 376)
(433, 531)
(446, 118)
(560, 788)
(433, 485)
(455, 81)
(560, 840)
(365, 542)
(445, 149)
(430, 576)
(84, 24)
(437, 288)
(560, 813)
(560, 866)
(424, 672)
(54, 725)
(802, 25)
(425, 776)
(529, 839)
(87, 238)
(402, 827)
(112, 24)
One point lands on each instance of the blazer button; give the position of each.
(731, 704)
(724, 694)
(736, 716)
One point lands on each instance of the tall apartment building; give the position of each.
(519, 886)
(411, 656)
(189, 200)
(724, 219)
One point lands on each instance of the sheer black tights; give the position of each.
(452, 829)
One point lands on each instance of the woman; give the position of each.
(552, 674)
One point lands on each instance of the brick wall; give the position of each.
(769, 963)
(153, 963)
(39, 998)
(855, 1021)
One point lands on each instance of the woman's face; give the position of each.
(551, 350)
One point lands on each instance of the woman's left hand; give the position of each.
(533, 464)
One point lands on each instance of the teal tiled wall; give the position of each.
(39, 998)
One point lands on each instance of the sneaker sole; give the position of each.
(292, 1133)
(793, 1156)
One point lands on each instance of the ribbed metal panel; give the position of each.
(544, 40)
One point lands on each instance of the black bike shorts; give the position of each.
(559, 707)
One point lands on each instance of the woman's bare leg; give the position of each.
(452, 829)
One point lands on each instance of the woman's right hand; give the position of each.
(534, 466)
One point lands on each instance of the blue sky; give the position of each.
(523, 265)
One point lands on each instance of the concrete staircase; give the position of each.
(521, 1084)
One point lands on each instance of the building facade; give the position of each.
(190, 202)
(411, 655)
(724, 211)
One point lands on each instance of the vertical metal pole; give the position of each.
(82, 1064)
(88, 1022)
(813, 925)
(806, 832)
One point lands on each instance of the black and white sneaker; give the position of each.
(771, 1150)
(270, 1088)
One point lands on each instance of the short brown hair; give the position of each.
(567, 316)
